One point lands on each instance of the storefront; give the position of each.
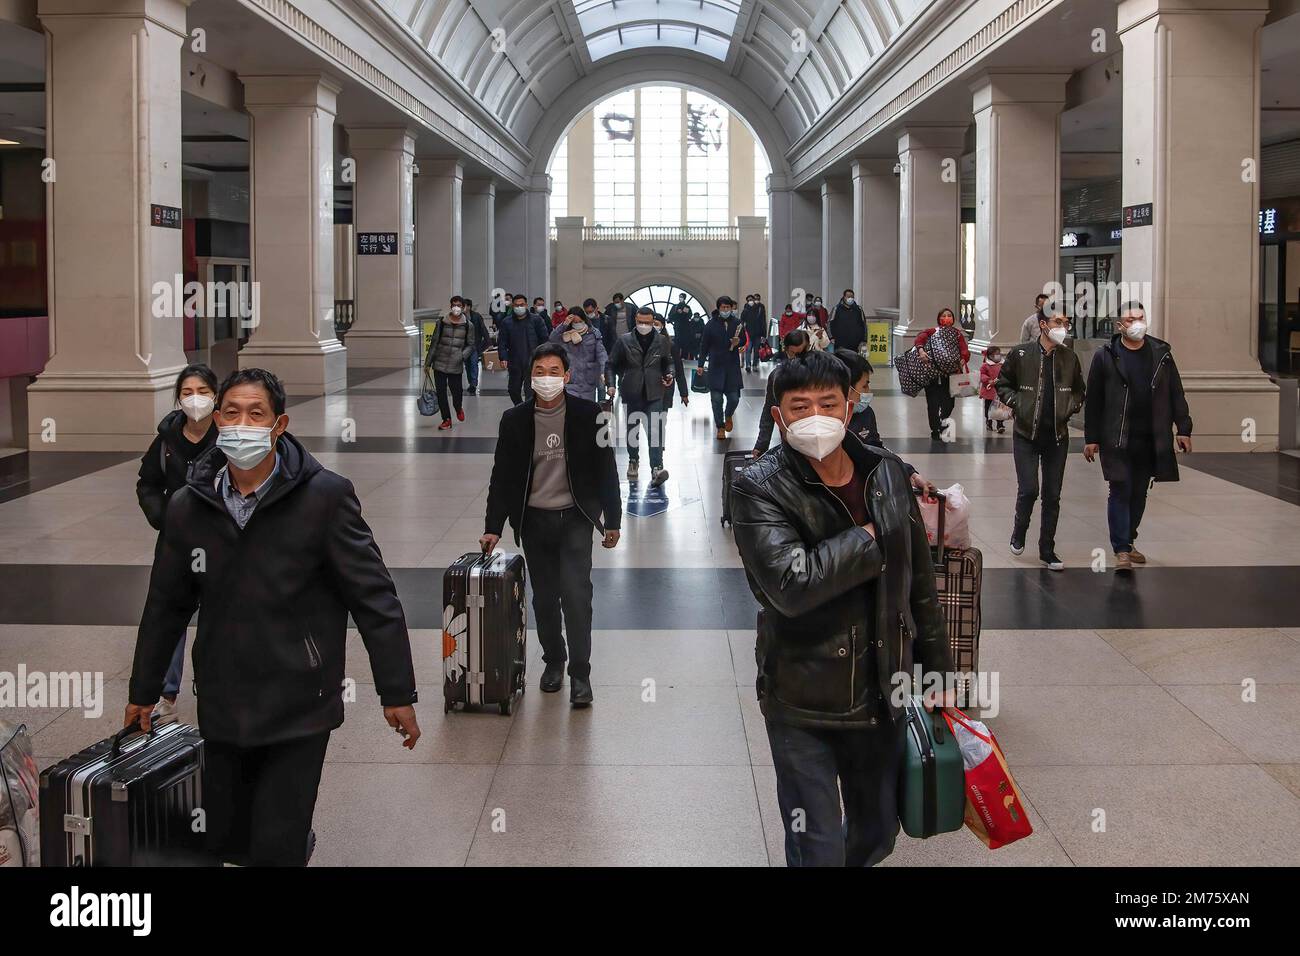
(1279, 286)
(1089, 272)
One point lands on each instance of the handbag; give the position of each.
(914, 372)
(944, 347)
(427, 403)
(963, 385)
(932, 785)
(995, 809)
(699, 380)
(1000, 412)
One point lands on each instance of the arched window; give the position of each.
(661, 298)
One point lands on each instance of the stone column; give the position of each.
(537, 238)
(875, 234)
(113, 97)
(1017, 198)
(382, 334)
(779, 244)
(438, 232)
(929, 211)
(751, 272)
(478, 240)
(569, 261)
(292, 226)
(837, 239)
(806, 244)
(1191, 151)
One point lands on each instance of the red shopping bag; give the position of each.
(995, 809)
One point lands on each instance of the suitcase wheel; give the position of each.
(446, 705)
(506, 706)
(723, 521)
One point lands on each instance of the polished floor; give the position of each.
(1148, 719)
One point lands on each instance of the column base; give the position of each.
(381, 348)
(98, 411)
(303, 369)
(1226, 405)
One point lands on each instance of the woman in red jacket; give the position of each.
(953, 357)
(789, 321)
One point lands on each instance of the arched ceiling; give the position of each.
(788, 59)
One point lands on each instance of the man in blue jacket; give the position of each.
(720, 346)
(519, 333)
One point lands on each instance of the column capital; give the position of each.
(570, 222)
(948, 136)
(863, 166)
(479, 187)
(539, 183)
(170, 14)
(1131, 13)
(306, 91)
(778, 182)
(441, 169)
(996, 88)
(832, 185)
(395, 138)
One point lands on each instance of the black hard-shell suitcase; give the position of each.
(732, 464)
(129, 800)
(484, 627)
(959, 573)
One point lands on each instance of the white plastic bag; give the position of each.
(956, 518)
(999, 412)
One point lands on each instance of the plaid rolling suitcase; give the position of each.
(484, 628)
(958, 574)
(129, 800)
(732, 463)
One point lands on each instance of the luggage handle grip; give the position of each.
(133, 727)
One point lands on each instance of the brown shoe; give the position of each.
(1137, 557)
(727, 424)
(722, 434)
(1123, 561)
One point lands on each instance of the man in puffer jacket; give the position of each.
(586, 349)
(454, 342)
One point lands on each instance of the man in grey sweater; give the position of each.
(454, 342)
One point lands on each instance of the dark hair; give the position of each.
(455, 298)
(469, 303)
(794, 339)
(940, 313)
(855, 363)
(724, 300)
(992, 350)
(815, 369)
(1132, 305)
(619, 295)
(549, 350)
(846, 291)
(255, 376)
(1040, 297)
(590, 302)
(519, 295)
(197, 370)
(645, 310)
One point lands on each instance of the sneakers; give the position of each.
(446, 423)
(633, 470)
(658, 476)
(460, 414)
(1052, 561)
(1137, 557)
(1002, 428)
(164, 710)
(727, 424)
(1123, 561)
(1017, 545)
(988, 424)
(722, 434)
(472, 390)
(934, 435)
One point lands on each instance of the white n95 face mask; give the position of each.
(245, 445)
(644, 329)
(815, 436)
(197, 407)
(1057, 334)
(1137, 331)
(548, 386)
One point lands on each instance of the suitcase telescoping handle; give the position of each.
(939, 530)
(121, 735)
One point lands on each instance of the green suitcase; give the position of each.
(932, 786)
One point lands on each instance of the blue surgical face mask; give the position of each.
(245, 446)
(725, 313)
(520, 310)
(863, 402)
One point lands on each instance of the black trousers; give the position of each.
(815, 768)
(519, 382)
(939, 403)
(1029, 456)
(259, 800)
(557, 549)
(443, 380)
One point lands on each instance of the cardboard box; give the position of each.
(490, 361)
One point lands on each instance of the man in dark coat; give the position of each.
(720, 348)
(848, 326)
(643, 361)
(679, 317)
(519, 333)
(272, 551)
(1134, 403)
(754, 315)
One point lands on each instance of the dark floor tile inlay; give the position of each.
(720, 598)
(1270, 473)
(31, 471)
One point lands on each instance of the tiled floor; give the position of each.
(1149, 721)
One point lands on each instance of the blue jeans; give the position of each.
(813, 767)
(1128, 499)
(751, 352)
(172, 681)
(720, 415)
(471, 369)
(648, 415)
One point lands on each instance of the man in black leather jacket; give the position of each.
(835, 551)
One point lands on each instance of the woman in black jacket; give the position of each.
(183, 436)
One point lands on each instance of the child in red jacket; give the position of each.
(988, 376)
